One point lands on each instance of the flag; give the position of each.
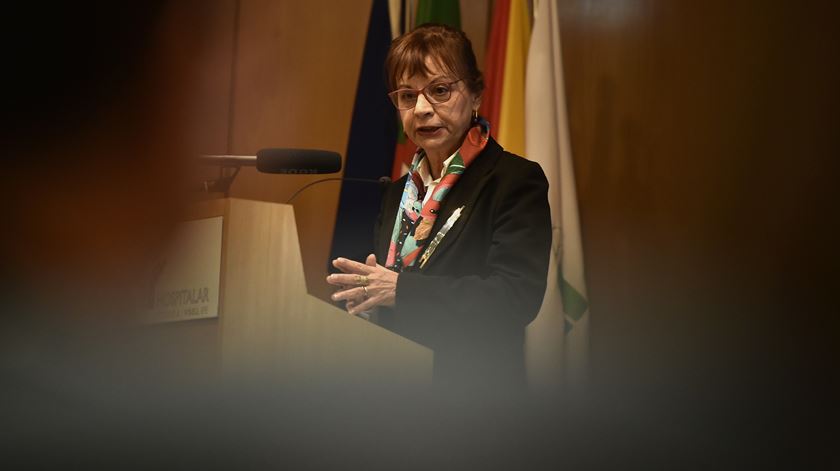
(503, 103)
(396, 12)
(447, 12)
(558, 340)
(495, 62)
(370, 146)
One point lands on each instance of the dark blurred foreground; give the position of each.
(80, 401)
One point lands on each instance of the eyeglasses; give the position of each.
(435, 93)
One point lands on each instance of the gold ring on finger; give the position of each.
(366, 291)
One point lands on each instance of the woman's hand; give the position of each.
(364, 285)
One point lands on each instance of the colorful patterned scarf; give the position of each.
(414, 220)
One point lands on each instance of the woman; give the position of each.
(463, 240)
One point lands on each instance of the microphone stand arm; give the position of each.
(381, 181)
(223, 182)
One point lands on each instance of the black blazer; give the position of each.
(485, 282)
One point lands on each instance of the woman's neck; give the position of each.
(435, 164)
(436, 159)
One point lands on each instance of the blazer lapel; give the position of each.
(393, 196)
(464, 193)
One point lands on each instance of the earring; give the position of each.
(475, 115)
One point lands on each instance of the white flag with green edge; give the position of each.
(557, 342)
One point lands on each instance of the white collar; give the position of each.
(426, 175)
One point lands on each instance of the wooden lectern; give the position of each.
(268, 322)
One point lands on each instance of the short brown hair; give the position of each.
(448, 46)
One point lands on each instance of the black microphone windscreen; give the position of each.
(299, 161)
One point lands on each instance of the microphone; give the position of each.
(382, 181)
(304, 161)
(281, 160)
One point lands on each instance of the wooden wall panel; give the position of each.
(475, 21)
(212, 87)
(196, 343)
(297, 64)
(213, 77)
(701, 133)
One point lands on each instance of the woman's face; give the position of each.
(439, 129)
